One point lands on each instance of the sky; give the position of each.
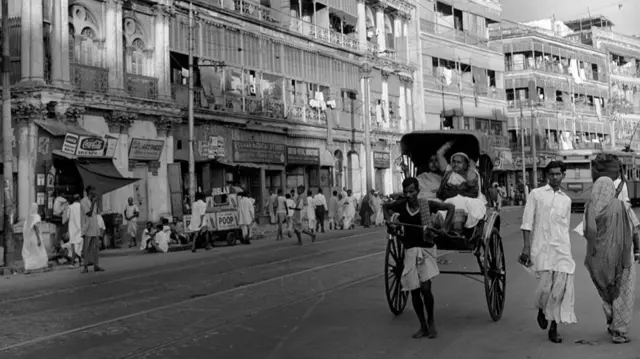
(624, 19)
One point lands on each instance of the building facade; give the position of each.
(462, 72)
(557, 93)
(623, 67)
(282, 90)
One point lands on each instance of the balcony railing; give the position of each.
(372, 47)
(625, 71)
(141, 86)
(464, 37)
(89, 78)
(550, 67)
(277, 18)
(556, 106)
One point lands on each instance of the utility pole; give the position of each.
(524, 164)
(366, 75)
(192, 164)
(533, 92)
(7, 138)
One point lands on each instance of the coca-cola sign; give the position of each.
(91, 146)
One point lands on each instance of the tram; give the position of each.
(578, 181)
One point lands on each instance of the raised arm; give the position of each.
(442, 160)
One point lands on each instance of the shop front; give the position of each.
(68, 160)
(144, 163)
(303, 169)
(382, 168)
(259, 168)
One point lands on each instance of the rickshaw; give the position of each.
(483, 241)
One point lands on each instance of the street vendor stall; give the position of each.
(221, 217)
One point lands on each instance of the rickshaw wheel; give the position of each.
(394, 264)
(495, 275)
(231, 238)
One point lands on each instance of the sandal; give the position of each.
(620, 339)
(423, 332)
(542, 320)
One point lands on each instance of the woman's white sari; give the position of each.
(34, 254)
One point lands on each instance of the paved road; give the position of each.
(278, 300)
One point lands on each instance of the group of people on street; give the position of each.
(80, 241)
(610, 229)
(339, 210)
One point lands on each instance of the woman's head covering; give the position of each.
(602, 193)
(462, 154)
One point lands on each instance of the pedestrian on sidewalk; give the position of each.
(611, 255)
(342, 205)
(271, 207)
(350, 205)
(311, 211)
(199, 226)
(321, 210)
(366, 210)
(420, 259)
(548, 254)
(291, 208)
(131, 215)
(246, 217)
(34, 252)
(281, 212)
(333, 211)
(76, 241)
(297, 218)
(90, 231)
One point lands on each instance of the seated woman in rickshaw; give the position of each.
(460, 185)
(429, 180)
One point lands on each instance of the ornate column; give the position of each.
(114, 46)
(402, 104)
(160, 202)
(25, 114)
(386, 120)
(60, 43)
(119, 123)
(379, 9)
(32, 42)
(362, 25)
(161, 51)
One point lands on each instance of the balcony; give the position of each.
(285, 21)
(141, 86)
(555, 106)
(625, 71)
(89, 78)
(373, 47)
(458, 35)
(490, 92)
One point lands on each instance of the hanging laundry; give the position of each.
(583, 75)
(598, 103)
(447, 74)
(573, 71)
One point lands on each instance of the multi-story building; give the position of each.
(556, 90)
(280, 93)
(462, 72)
(623, 67)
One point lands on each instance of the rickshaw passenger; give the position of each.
(429, 182)
(461, 185)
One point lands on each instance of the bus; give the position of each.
(578, 181)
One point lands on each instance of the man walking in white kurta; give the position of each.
(548, 254)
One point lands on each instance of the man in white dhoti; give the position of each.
(131, 214)
(548, 254)
(246, 217)
(75, 243)
(350, 205)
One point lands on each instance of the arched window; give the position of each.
(137, 58)
(72, 44)
(87, 47)
(83, 37)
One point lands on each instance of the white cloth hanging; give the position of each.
(447, 74)
(573, 71)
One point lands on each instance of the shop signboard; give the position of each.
(216, 147)
(70, 144)
(225, 220)
(303, 155)
(89, 146)
(381, 159)
(258, 152)
(112, 145)
(142, 149)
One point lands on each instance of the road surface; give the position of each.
(275, 300)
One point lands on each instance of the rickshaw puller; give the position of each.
(420, 264)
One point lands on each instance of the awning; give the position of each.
(60, 129)
(102, 174)
(326, 159)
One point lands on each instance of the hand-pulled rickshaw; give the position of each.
(483, 240)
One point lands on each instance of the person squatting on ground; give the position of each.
(609, 226)
(297, 218)
(420, 263)
(547, 251)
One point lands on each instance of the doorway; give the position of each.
(140, 192)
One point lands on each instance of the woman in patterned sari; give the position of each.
(609, 227)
